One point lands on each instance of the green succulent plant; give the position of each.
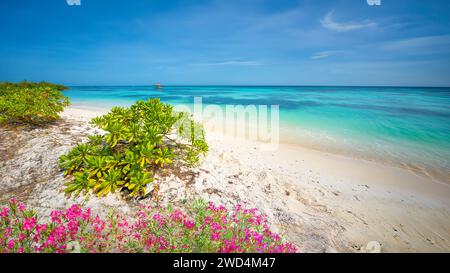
(112, 181)
(97, 166)
(81, 183)
(163, 156)
(75, 159)
(138, 144)
(130, 162)
(138, 183)
(145, 151)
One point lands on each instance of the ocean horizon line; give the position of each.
(242, 85)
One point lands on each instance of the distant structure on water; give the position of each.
(158, 86)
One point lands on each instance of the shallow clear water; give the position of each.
(408, 126)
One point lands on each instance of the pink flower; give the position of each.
(215, 236)
(74, 212)
(85, 216)
(245, 230)
(11, 244)
(222, 208)
(55, 215)
(29, 223)
(123, 224)
(257, 237)
(8, 231)
(148, 243)
(50, 240)
(21, 207)
(215, 226)
(208, 220)
(73, 227)
(4, 212)
(177, 216)
(21, 237)
(189, 224)
(229, 246)
(212, 207)
(98, 224)
(224, 219)
(40, 228)
(59, 233)
(158, 217)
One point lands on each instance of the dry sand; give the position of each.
(321, 202)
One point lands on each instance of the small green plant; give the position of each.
(31, 103)
(139, 142)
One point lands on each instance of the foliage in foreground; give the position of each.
(31, 103)
(203, 228)
(139, 142)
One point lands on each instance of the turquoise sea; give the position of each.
(399, 125)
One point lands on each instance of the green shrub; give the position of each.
(139, 142)
(27, 84)
(31, 103)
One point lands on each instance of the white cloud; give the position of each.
(329, 23)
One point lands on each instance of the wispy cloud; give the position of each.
(326, 54)
(329, 23)
(321, 55)
(228, 62)
(424, 45)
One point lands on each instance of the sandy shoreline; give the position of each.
(336, 164)
(320, 201)
(369, 201)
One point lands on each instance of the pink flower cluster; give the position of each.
(202, 228)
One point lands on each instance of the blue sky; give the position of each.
(255, 42)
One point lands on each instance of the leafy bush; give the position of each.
(31, 103)
(139, 142)
(27, 84)
(203, 228)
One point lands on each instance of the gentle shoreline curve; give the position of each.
(321, 202)
(296, 142)
(400, 209)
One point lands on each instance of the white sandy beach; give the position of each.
(321, 202)
(324, 201)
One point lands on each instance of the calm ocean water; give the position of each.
(407, 126)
